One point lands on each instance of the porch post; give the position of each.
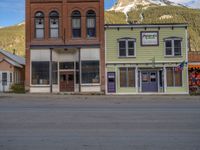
(80, 70)
(50, 70)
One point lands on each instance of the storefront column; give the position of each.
(165, 80)
(80, 70)
(136, 78)
(50, 70)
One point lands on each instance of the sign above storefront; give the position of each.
(149, 38)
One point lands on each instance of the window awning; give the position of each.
(194, 66)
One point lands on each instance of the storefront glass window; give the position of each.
(127, 77)
(90, 72)
(174, 78)
(40, 73)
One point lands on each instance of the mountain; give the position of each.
(13, 37)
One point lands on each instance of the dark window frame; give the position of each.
(54, 16)
(91, 14)
(40, 17)
(76, 15)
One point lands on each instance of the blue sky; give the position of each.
(12, 11)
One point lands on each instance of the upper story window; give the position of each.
(173, 46)
(76, 24)
(91, 23)
(54, 24)
(127, 47)
(39, 25)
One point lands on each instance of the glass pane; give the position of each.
(122, 52)
(66, 65)
(91, 32)
(122, 44)
(131, 44)
(153, 77)
(168, 43)
(39, 33)
(76, 23)
(90, 72)
(90, 22)
(177, 47)
(170, 77)
(168, 51)
(76, 33)
(131, 52)
(131, 77)
(4, 78)
(55, 72)
(122, 48)
(54, 33)
(123, 77)
(177, 43)
(145, 77)
(178, 78)
(39, 23)
(54, 23)
(177, 51)
(40, 73)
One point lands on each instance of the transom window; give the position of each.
(54, 24)
(39, 25)
(174, 78)
(91, 23)
(127, 77)
(173, 47)
(127, 47)
(76, 24)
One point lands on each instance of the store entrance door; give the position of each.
(67, 81)
(149, 81)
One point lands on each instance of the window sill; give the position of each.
(91, 84)
(173, 56)
(40, 85)
(121, 57)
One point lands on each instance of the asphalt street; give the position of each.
(66, 122)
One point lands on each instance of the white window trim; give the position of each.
(172, 40)
(127, 56)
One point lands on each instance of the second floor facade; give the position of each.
(141, 43)
(64, 22)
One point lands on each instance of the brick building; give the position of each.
(65, 46)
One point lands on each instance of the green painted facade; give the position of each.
(145, 55)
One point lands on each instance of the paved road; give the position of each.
(57, 122)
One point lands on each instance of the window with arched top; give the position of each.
(76, 24)
(54, 24)
(39, 25)
(91, 23)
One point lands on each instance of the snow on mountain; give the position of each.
(127, 5)
(193, 4)
(22, 23)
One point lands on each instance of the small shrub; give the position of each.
(18, 88)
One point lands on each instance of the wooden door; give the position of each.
(67, 81)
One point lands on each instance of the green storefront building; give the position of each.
(145, 59)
